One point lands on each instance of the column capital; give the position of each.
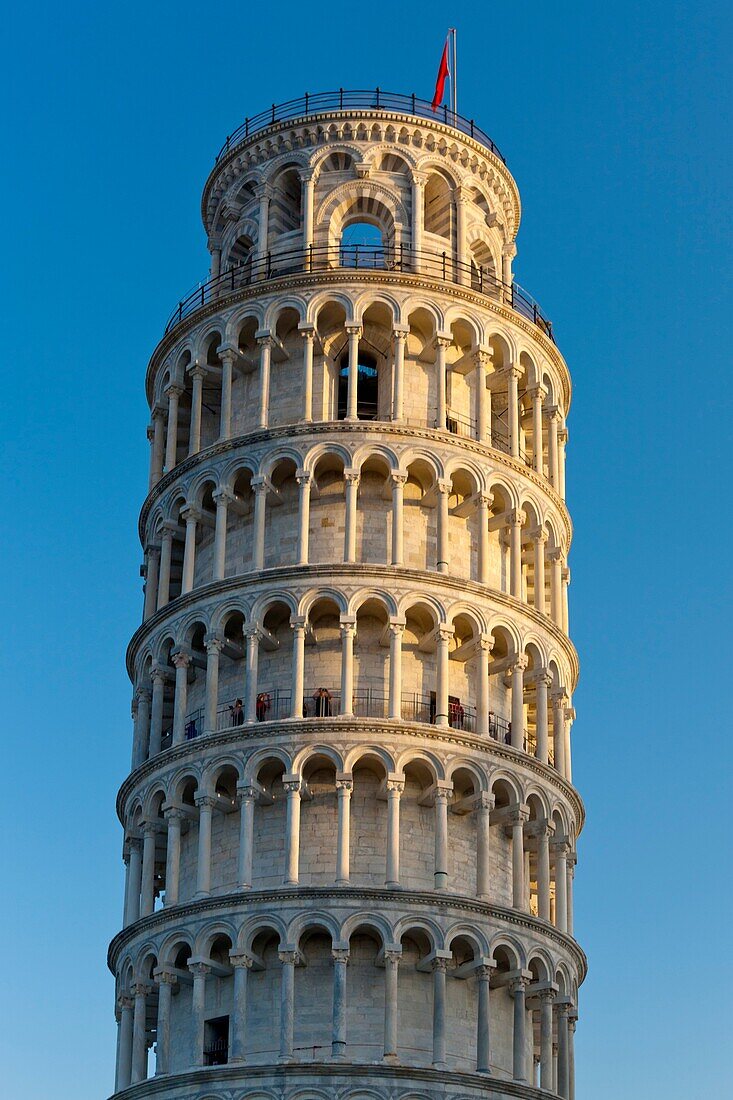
(352, 475)
(173, 389)
(125, 1003)
(158, 675)
(537, 392)
(560, 847)
(519, 981)
(516, 517)
(345, 785)
(485, 642)
(191, 514)
(397, 477)
(260, 484)
(223, 496)
(485, 801)
(181, 659)
(214, 643)
(400, 331)
(556, 554)
(443, 485)
(395, 785)
(241, 959)
(197, 370)
(518, 814)
(396, 627)
(139, 989)
(263, 190)
(304, 477)
(443, 339)
(163, 976)
(418, 178)
(519, 663)
(289, 956)
(174, 813)
(554, 412)
(307, 330)
(157, 412)
(206, 801)
(560, 697)
(482, 355)
(347, 625)
(298, 622)
(512, 370)
(247, 792)
(485, 500)
(441, 960)
(292, 783)
(141, 693)
(264, 339)
(445, 632)
(199, 969)
(340, 955)
(393, 954)
(354, 328)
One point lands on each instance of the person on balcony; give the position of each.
(262, 706)
(190, 729)
(237, 713)
(322, 698)
(455, 714)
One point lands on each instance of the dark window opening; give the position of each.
(216, 1041)
(367, 393)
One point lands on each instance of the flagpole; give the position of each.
(453, 89)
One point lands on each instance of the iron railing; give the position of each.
(321, 258)
(343, 100)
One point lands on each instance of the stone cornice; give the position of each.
(297, 1077)
(291, 730)
(378, 897)
(424, 578)
(340, 428)
(339, 277)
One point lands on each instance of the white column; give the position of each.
(354, 334)
(156, 710)
(263, 193)
(307, 185)
(395, 787)
(444, 635)
(483, 1029)
(191, 516)
(348, 630)
(222, 499)
(560, 851)
(396, 630)
(392, 956)
(265, 343)
(519, 1071)
(484, 806)
(441, 837)
(139, 1047)
(562, 439)
(173, 394)
(157, 454)
(206, 806)
(124, 1049)
(147, 884)
(304, 480)
(556, 563)
(141, 735)
(134, 880)
(242, 965)
(165, 981)
(509, 251)
(152, 573)
(482, 359)
(538, 395)
(518, 818)
(484, 502)
(228, 358)
(572, 1021)
(461, 202)
(517, 670)
(515, 520)
(552, 446)
(308, 332)
(443, 489)
(287, 1004)
(563, 1074)
(398, 497)
(547, 997)
(200, 973)
(565, 581)
(559, 704)
(340, 958)
(571, 860)
(164, 577)
(252, 653)
(174, 821)
(182, 662)
(344, 788)
(351, 488)
(214, 646)
(292, 829)
(260, 488)
(399, 335)
(539, 540)
(543, 684)
(297, 688)
(544, 832)
(247, 800)
(416, 224)
(512, 375)
(440, 964)
(442, 342)
(484, 646)
(194, 435)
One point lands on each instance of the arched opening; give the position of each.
(367, 401)
(438, 216)
(362, 245)
(284, 217)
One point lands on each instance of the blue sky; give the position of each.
(615, 120)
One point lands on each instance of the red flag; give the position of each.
(443, 72)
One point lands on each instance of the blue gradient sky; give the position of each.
(615, 120)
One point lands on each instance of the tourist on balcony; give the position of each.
(237, 713)
(262, 706)
(191, 729)
(322, 697)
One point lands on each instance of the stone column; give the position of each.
(297, 689)
(392, 956)
(483, 1029)
(518, 989)
(251, 660)
(348, 630)
(565, 579)
(351, 486)
(228, 357)
(440, 964)
(164, 577)
(263, 192)
(517, 670)
(247, 799)
(547, 997)
(222, 499)
(147, 892)
(139, 1047)
(134, 880)
(287, 1004)
(518, 818)
(543, 683)
(260, 488)
(200, 973)
(182, 663)
(292, 829)
(124, 1048)
(265, 343)
(539, 539)
(395, 787)
(417, 184)
(173, 394)
(206, 805)
(242, 965)
(563, 1068)
(304, 480)
(443, 489)
(482, 359)
(461, 201)
(556, 563)
(560, 850)
(444, 635)
(484, 806)
(165, 981)
(338, 1040)
(484, 502)
(545, 831)
(552, 446)
(442, 342)
(157, 453)
(514, 521)
(571, 860)
(344, 788)
(513, 374)
(398, 491)
(174, 821)
(354, 333)
(400, 333)
(307, 184)
(396, 630)
(308, 332)
(214, 646)
(572, 1021)
(152, 574)
(483, 648)
(538, 395)
(441, 837)
(559, 704)
(194, 435)
(141, 733)
(156, 710)
(562, 439)
(191, 516)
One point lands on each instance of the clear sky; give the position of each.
(615, 120)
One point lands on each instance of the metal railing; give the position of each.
(343, 100)
(322, 258)
(457, 424)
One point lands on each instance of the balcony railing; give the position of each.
(343, 100)
(441, 266)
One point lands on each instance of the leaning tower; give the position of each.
(349, 823)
